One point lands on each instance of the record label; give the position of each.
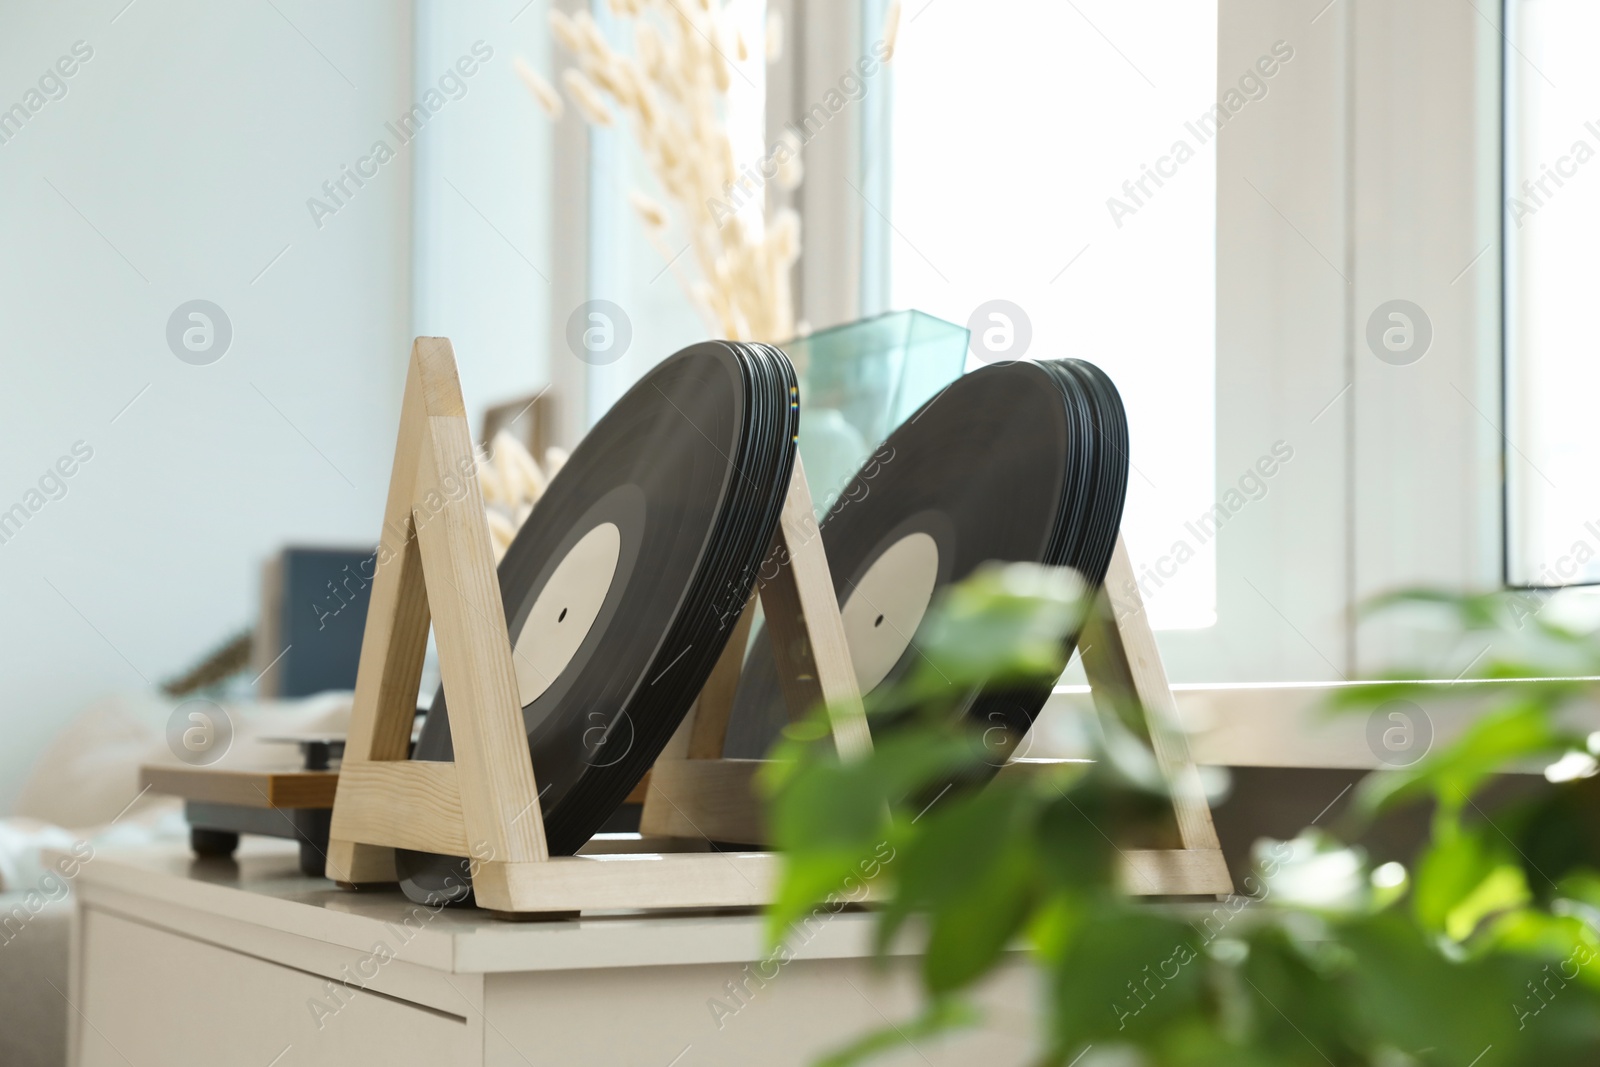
(886, 605)
(565, 610)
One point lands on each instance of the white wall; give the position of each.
(177, 167)
(484, 273)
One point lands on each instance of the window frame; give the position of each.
(1378, 174)
(1508, 106)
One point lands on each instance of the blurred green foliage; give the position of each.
(1486, 953)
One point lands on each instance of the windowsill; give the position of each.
(1289, 724)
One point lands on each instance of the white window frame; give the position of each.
(1375, 175)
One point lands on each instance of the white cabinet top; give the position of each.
(262, 887)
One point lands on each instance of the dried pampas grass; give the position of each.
(891, 30)
(673, 91)
(512, 482)
(586, 97)
(542, 91)
(651, 213)
(790, 169)
(774, 35)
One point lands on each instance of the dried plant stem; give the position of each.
(673, 92)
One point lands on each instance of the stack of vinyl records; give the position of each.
(616, 589)
(1013, 462)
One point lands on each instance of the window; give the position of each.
(1552, 213)
(1053, 156)
(1063, 158)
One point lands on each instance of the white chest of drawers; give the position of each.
(249, 963)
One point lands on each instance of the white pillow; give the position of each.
(89, 774)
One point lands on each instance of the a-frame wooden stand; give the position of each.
(694, 793)
(435, 560)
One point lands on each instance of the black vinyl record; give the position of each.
(1017, 462)
(615, 587)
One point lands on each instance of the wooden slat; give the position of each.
(748, 879)
(710, 800)
(469, 627)
(436, 556)
(808, 638)
(657, 810)
(247, 788)
(1174, 872)
(412, 804)
(638, 793)
(715, 703)
(651, 880)
(1126, 676)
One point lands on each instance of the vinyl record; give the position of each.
(613, 588)
(1024, 462)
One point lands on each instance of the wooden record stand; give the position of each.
(435, 560)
